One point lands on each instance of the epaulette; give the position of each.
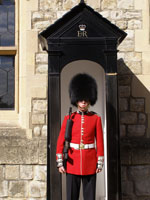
(93, 113)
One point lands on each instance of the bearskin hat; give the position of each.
(83, 87)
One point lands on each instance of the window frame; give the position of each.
(13, 51)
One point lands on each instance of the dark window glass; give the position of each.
(7, 85)
(7, 23)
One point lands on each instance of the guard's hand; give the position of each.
(62, 170)
(98, 170)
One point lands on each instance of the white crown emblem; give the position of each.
(82, 27)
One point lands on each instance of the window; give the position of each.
(7, 54)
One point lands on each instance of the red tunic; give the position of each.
(87, 129)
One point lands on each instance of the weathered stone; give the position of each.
(117, 15)
(138, 173)
(26, 172)
(142, 118)
(43, 151)
(122, 24)
(136, 130)
(122, 131)
(124, 79)
(41, 25)
(37, 131)
(61, 14)
(123, 104)
(130, 35)
(141, 155)
(134, 24)
(123, 173)
(46, 5)
(36, 16)
(3, 188)
(133, 56)
(39, 106)
(44, 131)
(40, 173)
(108, 4)
(120, 56)
(12, 172)
(41, 58)
(18, 151)
(37, 189)
(18, 189)
(42, 69)
(137, 104)
(126, 155)
(126, 45)
(128, 118)
(133, 14)
(1, 173)
(125, 4)
(124, 91)
(68, 4)
(38, 119)
(105, 13)
(135, 67)
(127, 188)
(142, 187)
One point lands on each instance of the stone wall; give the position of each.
(23, 159)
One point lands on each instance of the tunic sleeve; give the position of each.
(60, 143)
(99, 142)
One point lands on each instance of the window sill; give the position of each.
(8, 50)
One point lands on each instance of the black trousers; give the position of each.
(73, 183)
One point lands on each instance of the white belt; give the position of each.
(82, 146)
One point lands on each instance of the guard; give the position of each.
(86, 150)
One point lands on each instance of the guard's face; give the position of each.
(83, 105)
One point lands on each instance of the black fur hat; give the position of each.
(83, 87)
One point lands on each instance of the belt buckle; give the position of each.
(81, 146)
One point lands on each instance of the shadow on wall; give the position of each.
(134, 106)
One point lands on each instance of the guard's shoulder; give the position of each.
(94, 113)
(72, 114)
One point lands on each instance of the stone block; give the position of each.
(123, 173)
(42, 69)
(133, 56)
(43, 151)
(105, 13)
(141, 156)
(124, 91)
(93, 4)
(126, 45)
(12, 172)
(123, 104)
(130, 34)
(133, 15)
(138, 173)
(26, 172)
(136, 130)
(40, 173)
(122, 131)
(39, 106)
(37, 131)
(1, 172)
(42, 58)
(108, 4)
(117, 15)
(3, 188)
(18, 151)
(18, 189)
(125, 4)
(122, 24)
(142, 118)
(137, 104)
(46, 5)
(127, 188)
(128, 118)
(135, 67)
(125, 156)
(38, 119)
(44, 131)
(134, 24)
(142, 187)
(37, 189)
(36, 16)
